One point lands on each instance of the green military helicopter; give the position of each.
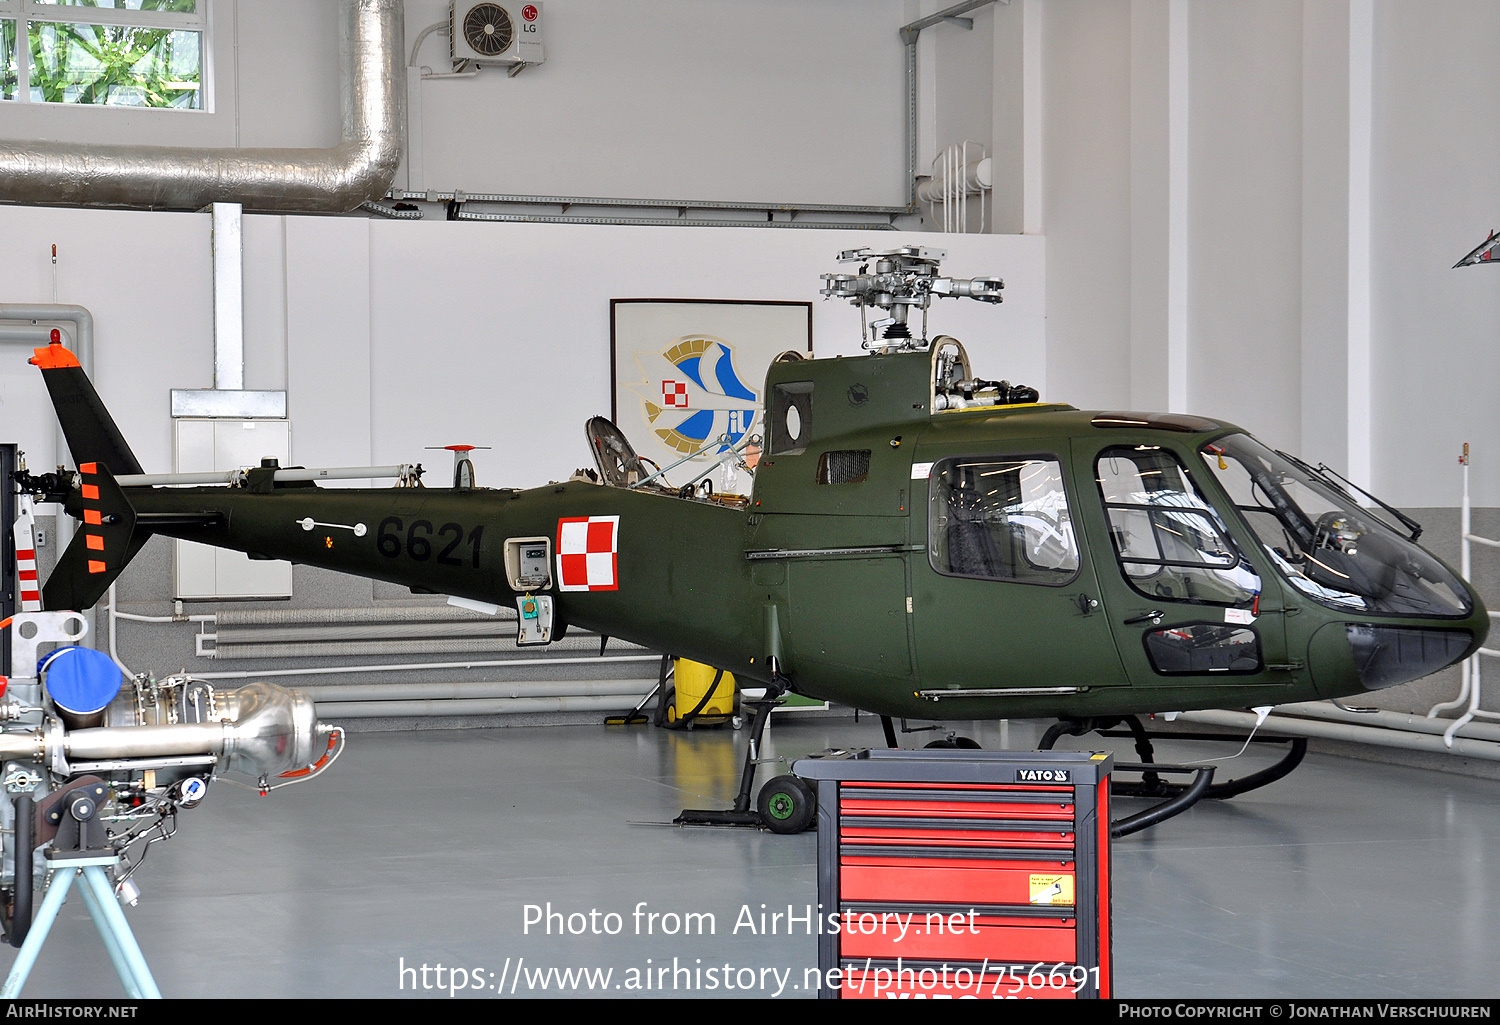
(920, 543)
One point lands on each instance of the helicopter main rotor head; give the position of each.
(902, 279)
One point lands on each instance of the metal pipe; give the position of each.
(673, 222)
(449, 629)
(452, 690)
(27, 334)
(36, 336)
(410, 613)
(1409, 721)
(246, 674)
(336, 180)
(910, 31)
(909, 34)
(664, 204)
(1346, 732)
(479, 706)
(135, 480)
(381, 210)
(46, 313)
(93, 745)
(82, 347)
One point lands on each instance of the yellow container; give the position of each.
(693, 680)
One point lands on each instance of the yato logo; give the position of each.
(528, 12)
(858, 395)
(1041, 775)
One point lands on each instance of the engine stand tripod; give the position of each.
(79, 851)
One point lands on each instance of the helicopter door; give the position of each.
(1003, 597)
(1184, 602)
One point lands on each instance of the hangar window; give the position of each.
(1169, 541)
(1001, 519)
(113, 53)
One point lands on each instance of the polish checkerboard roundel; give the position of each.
(588, 553)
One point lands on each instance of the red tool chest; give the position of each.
(959, 873)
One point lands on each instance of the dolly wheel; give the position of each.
(786, 804)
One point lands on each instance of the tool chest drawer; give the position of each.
(987, 867)
(884, 980)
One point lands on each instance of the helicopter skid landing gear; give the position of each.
(786, 804)
(1177, 797)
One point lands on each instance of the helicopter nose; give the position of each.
(1385, 656)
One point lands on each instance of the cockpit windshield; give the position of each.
(1329, 547)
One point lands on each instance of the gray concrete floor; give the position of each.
(1348, 879)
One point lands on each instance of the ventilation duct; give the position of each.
(337, 180)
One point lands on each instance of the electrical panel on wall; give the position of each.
(497, 33)
(204, 573)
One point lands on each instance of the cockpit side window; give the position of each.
(1001, 518)
(1169, 541)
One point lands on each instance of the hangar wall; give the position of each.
(1265, 190)
(1195, 168)
(390, 336)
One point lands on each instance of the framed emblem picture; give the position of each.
(689, 375)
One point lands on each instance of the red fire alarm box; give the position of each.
(963, 873)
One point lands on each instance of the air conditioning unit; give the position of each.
(497, 33)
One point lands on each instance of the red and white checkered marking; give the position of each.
(674, 394)
(31, 593)
(588, 553)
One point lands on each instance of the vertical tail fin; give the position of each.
(90, 430)
(107, 539)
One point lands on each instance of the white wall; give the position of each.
(1435, 197)
(393, 336)
(774, 101)
(1245, 215)
(1086, 212)
(683, 95)
(777, 100)
(1271, 188)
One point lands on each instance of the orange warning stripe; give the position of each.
(91, 492)
(94, 542)
(88, 467)
(93, 517)
(96, 566)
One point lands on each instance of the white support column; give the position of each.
(1361, 127)
(1031, 117)
(1177, 206)
(1016, 119)
(1159, 204)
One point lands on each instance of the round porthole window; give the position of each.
(793, 423)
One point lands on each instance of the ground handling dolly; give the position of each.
(786, 804)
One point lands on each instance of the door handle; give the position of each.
(1085, 603)
(1154, 616)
